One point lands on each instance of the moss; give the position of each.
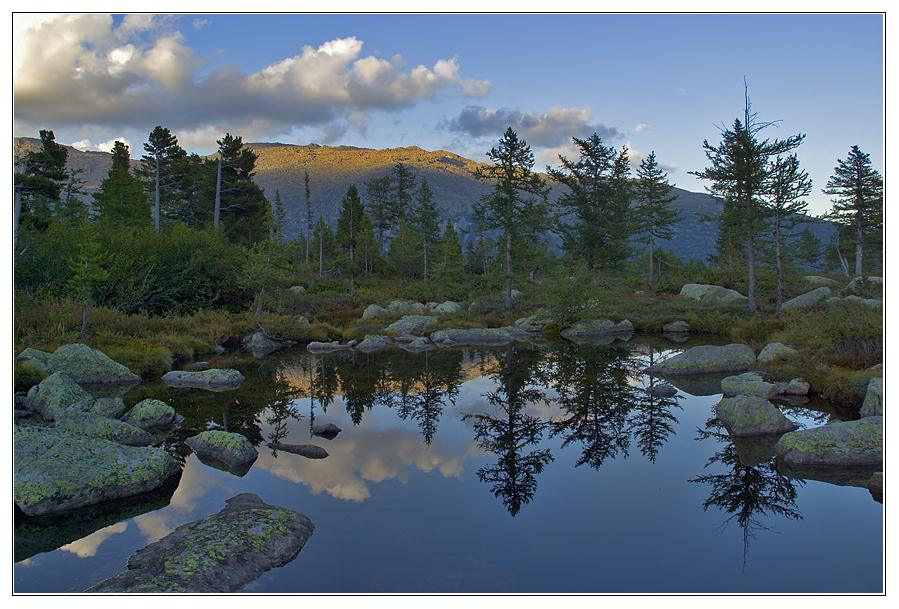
(27, 375)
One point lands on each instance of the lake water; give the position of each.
(533, 469)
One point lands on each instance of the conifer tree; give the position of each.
(425, 219)
(404, 253)
(39, 183)
(90, 270)
(121, 198)
(378, 192)
(653, 216)
(403, 187)
(323, 246)
(308, 192)
(449, 267)
(240, 202)
(808, 247)
(162, 149)
(278, 217)
(350, 227)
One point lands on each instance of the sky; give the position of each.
(660, 83)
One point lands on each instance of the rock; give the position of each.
(57, 471)
(302, 321)
(221, 553)
(809, 299)
(775, 351)
(97, 426)
(797, 387)
(817, 280)
(212, 379)
(297, 289)
(199, 366)
(875, 486)
(56, 395)
(318, 347)
(837, 476)
(261, 344)
(838, 444)
(868, 302)
(680, 337)
(35, 357)
(448, 307)
(707, 359)
(230, 449)
(517, 294)
(374, 311)
(417, 344)
(873, 404)
(589, 328)
(477, 336)
(858, 283)
(415, 325)
(90, 366)
(678, 326)
(750, 383)
(373, 343)
(535, 323)
(403, 307)
(150, 414)
(712, 294)
(752, 416)
(326, 430)
(697, 384)
(753, 450)
(310, 451)
(663, 390)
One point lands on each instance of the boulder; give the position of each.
(374, 311)
(90, 366)
(809, 299)
(310, 451)
(868, 302)
(230, 449)
(417, 344)
(198, 365)
(754, 450)
(752, 416)
(327, 430)
(448, 307)
(221, 553)
(589, 328)
(873, 404)
(707, 359)
(838, 444)
(775, 351)
(58, 394)
(57, 471)
(403, 307)
(373, 343)
(858, 282)
(477, 336)
(261, 344)
(416, 325)
(678, 326)
(797, 387)
(819, 281)
(750, 383)
(97, 426)
(297, 289)
(113, 408)
(212, 379)
(535, 323)
(150, 414)
(712, 294)
(319, 347)
(35, 357)
(875, 486)
(663, 390)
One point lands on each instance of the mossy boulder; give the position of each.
(535, 323)
(448, 307)
(809, 299)
(797, 386)
(150, 414)
(230, 449)
(36, 357)
(211, 379)
(221, 553)
(89, 366)
(260, 344)
(98, 426)
(374, 311)
(373, 343)
(707, 359)
(773, 352)
(712, 294)
(750, 383)
(590, 328)
(56, 395)
(839, 444)
(57, 471)
(874, 303)
(415, 325)
(477, 336)
(747, 415)
(662, 390)
(112, 407)
(873, 404)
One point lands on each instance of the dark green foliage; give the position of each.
(244, 208)
(157, 169)
(40, 181)
(653, 216)
(121, 199)
(807, 248)
(403, 186)
(426, 221)
(448, 267)
(378, 192)
(405, 253)
(323, 248)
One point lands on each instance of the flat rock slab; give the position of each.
(838, 444)
(809, 299)
(57, 471)
(214, 379)
(486, 337)
(98, 426)
(221, 553)
(310, 451)
(707, 359)
(751, 383)
(752, 416)
(320, 347)
(230, 449)
(373, 342)
(85, 365)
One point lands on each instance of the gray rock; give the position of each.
(868, 302)
(326, 430)
(448, 307)
(678, 326)
(297, 289)
(221, 553)
(90, 366)
(750, 383)
(590, 328)
(374, 311)
(56, 395)
(310, 451)
(679, 337)
(403, 307)
(776, 351)
(752, 416)
(150, 414)
(858, 282)
(663, 390)
(415, 325)
(707, 359)
(535, 323)
(712, 294)
(261, 344)
(809, 299)
(875, 486)
(817, 280)
(873, 404)
(417, 344)
(212, 379)
(753, 450)
(36, 357)
(838, 444)
(230, 449)
(477, 336)
(797, 386)
(97, 426)
(319, 347)
(199, 366)
(57, 471)
(373, 342)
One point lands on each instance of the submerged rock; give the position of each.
(752, 416)
(712, 294)
(230, 449)
(328, 431)
(57, 471)
(873, 404)
(838, 444)
(310, 451)
(707, 359)
(751, 383)
(261, 344)
(753, 450)
(150, 414)
(56, 395)
(809, 299)
(221, 553)
(96, 426)
(373, 342)
(212, 379)
(85, 365)
(775, 351)
(477, 336)
(416, 325)
(590, 328)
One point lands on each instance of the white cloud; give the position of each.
(641, 127)
(199, 23)
(82, 144)
(107, 145)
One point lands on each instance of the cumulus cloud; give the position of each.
(107, 145)
(82, 144)
(641, 127)
(88, 71)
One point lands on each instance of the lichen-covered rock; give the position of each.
(260, 344)
(809, 299)
(817, 280)
(415, 325)
(707, 359)
(97, 426)
(221, 553)
(477, 336)
(750, 383)
(403, 307)
(310, 451)
(57, 471)
(374, 311)
(838, 444)
(662, 390)
(56, 395)
(319, 347)
(535, 323)
(797, 386)
(150, 414)
(417, 344)
(775, 351)
(230, 449)
(36, 357)
(112, 407)
(875, 486)
(373, 342)
(712, 294)
(448, 307)
(326, 430)
(90, 366)
(214, 378)
(873, 404)
(868, 302)
(297, 289)
(678, 326)
(589, 328)
(752, 416)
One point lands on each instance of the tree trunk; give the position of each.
(218, 195)
(15, 235)
(156, 204)
(750, 266)
(321, 254)
(508, 269)
(778, 269)
(651, 262)
(859, 235)
(259, 304)
(424, 243)
(85, 309)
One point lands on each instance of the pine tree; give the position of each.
(121, 198)
(90, 271)
(653, 216)
(404, 253)
(857, 189)
(162, 149)
(378, 192)
(308, 193)
(349, 231)
(323, 245)
(40, 182)
(808, 247)
(278, 217)
(425, 219)
(449, 267)
(516, 203)
(403, 185)
(240, 203)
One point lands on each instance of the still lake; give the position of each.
(545, 468)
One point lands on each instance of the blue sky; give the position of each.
(654, 82)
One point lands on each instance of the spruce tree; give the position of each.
(308, 192)
(90, 271)
(241, 206)
(404, 253)
(322, 246)
(808, 247)
(425, 219)
(653, 216)
(121, 198)
(449, 266)
(350, 225)
(40, 181)
(403, 187)
(378, 192)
